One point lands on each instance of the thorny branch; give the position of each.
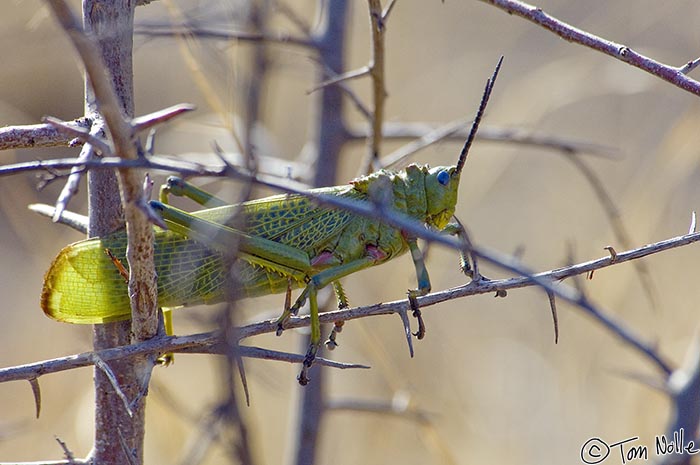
(674, 75)
(205, 343)
(212, 342)
(36, 135)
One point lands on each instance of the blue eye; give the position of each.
(443, 177)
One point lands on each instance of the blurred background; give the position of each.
(487, 384)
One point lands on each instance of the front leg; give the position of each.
(423, 284)
(456, 229)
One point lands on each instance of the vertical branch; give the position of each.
(329, 134)
(119, 431)
(328, 128)
(376, 72)
(105, 214)
(256, 82)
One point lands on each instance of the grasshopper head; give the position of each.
(441, 184)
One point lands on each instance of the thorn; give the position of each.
(102, 365)
(151, 141)
(363, 71)
(555, 318)
(589, 275)
(407, 329)
(244, 380)
(693, 224)
(688, 67)
(70, 457)
(613, 254)
(36, 390)
(147, 187)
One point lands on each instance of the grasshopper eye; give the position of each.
(443, 177)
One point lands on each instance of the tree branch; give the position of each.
(671, 74)
(213, 343)
(37, 135)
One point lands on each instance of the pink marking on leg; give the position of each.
(375, 252)
(324, 258)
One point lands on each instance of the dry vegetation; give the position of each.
(487, 384)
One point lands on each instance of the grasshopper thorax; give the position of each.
(425, 193)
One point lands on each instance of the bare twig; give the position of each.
(337, 79)
(688, 67)
(68, 218)
(671, 74)
(84, 135)
(354, 98)
(206, 343)
(399, 409)
(37, 135)
(93, 141)
(426, 140)
(149, 29)
(145, 122)
(400, 131)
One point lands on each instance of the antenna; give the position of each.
(475, 124)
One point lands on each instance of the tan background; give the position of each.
(493, 385)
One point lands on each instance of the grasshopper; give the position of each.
(289, 241)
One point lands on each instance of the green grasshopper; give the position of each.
(289, 241)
